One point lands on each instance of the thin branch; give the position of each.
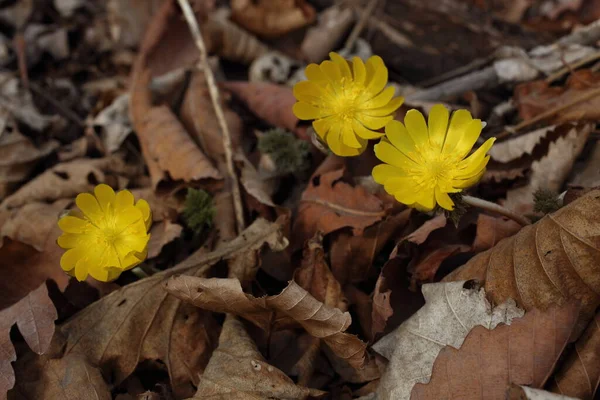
(364, 18)
(188, 13)
(496, 208)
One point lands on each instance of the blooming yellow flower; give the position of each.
(423, 164)
(348, 104)
(106, 236)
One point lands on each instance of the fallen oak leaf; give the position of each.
(552, 261)
(141, 321)
(523, 353)
(237, 370)
(34, 315)
(292, 305)
(579, 374)
(69, 377)
(329, 204)
(451, 310)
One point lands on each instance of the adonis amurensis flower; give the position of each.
(423, 162)
(106, 236)
(348, 102)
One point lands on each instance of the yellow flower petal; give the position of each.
(71, 224)
(90, 207)
(363, 132)
(443, 199)
(438, 125)
(473, 162)
(310, 92)
(123, 199)
(398, 135)
(69, 240)
(379, 78)
(349, 138)
(360, 72)
(469, 138)
(459, 121)
(384, 172)
(306, 111)
(391, 155)
(322, 126)
(416, 126)
(313, 73)
(373, 122)
(331, 71)
(372, 65)
(81, 270)
(463, 183)
(105, 195)
(388, 109)
(144, 207)
(342, 64)
(426, 200)
(382, 99)
(70, 258)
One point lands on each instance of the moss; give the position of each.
(460, 209)
(290, 155)
(199, 210)
(545, 201)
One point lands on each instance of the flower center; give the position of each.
(347, 96)
(434, 169)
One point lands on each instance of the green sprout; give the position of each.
(199, 210)
(290, 155)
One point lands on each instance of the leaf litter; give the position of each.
(332, 288)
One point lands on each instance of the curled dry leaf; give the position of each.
(162, 234)
(29, 252)
(534, 98)
(66, 180)
(352, 256)
(70, 377)
(34, 315)
(229, 41)
(451, 311)
(168, 149)
(272, 18)
(552, 170)
(293, 304)
(270, 102)
(18, 157)
(552, 261)
(579, 374)
(329, 204)
(198, 116)
(523, 353)
(142, 322)
(237, 370)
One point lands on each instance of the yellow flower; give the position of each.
(422, 165)
(106, 236)
(347, 104)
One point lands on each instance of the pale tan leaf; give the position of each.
(162, 234)
(237, 370)
(523, 353)
(451, 310)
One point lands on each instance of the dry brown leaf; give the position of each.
(34, 315)
(18, 157)
(579, 374)
(292, 304)
(70, 377)
(451, 311)
(237, 370)
(229, 41)
(168, 149)
(490, 230)
(332, 25)
(162, 234)
(329, 204)
(198, 116)
(29, 252)
(523, 353)
(272, 18)
(271, 103)
(141, 321)
(552, 170)
(552, 261)
(67, 180)
(520, 392)
(534, 98)
(352, 256)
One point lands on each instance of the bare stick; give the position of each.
(495, 208)
(188, 13)
(364, 18)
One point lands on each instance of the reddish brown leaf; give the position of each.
(522, 353)
(329, 204)
(552, 261)
(579, 375)
(34, 316)
(426, 268)
(272, 18)
(490, 230)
